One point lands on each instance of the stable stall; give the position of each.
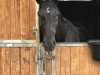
(21, 50)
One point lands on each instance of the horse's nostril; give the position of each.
(46, 43)
(43, 42)
(54, 42)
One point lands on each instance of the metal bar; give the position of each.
(41, 67)
(40, 62)
(94, 41)
(44, 61)
(10, 41)
(38, 48)
(17, 43)
(72, 44)
(54, 62)
(4, 42)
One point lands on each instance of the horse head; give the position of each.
(48, 20)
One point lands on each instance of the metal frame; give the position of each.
(17, 43)
(72, 44)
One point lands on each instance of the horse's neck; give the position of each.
(64, 23)
(61, 28)
(66, 28)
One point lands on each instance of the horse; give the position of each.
(54, 27)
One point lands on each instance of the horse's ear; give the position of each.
(40, 1)
(56, 1)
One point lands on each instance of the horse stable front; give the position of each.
(21, 53)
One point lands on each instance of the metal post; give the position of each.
(53, 62)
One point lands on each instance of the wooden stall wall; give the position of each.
(17, 61)
(17, 18)
(74, 60)
(71, 60)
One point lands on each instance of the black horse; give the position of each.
(54, 27)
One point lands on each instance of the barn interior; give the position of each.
(76, 10)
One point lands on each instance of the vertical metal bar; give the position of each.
(37, 58)
(44, 61)
(53, 62)
(40, 61)
(38, 40)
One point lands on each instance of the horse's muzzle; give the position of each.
(49, 46)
